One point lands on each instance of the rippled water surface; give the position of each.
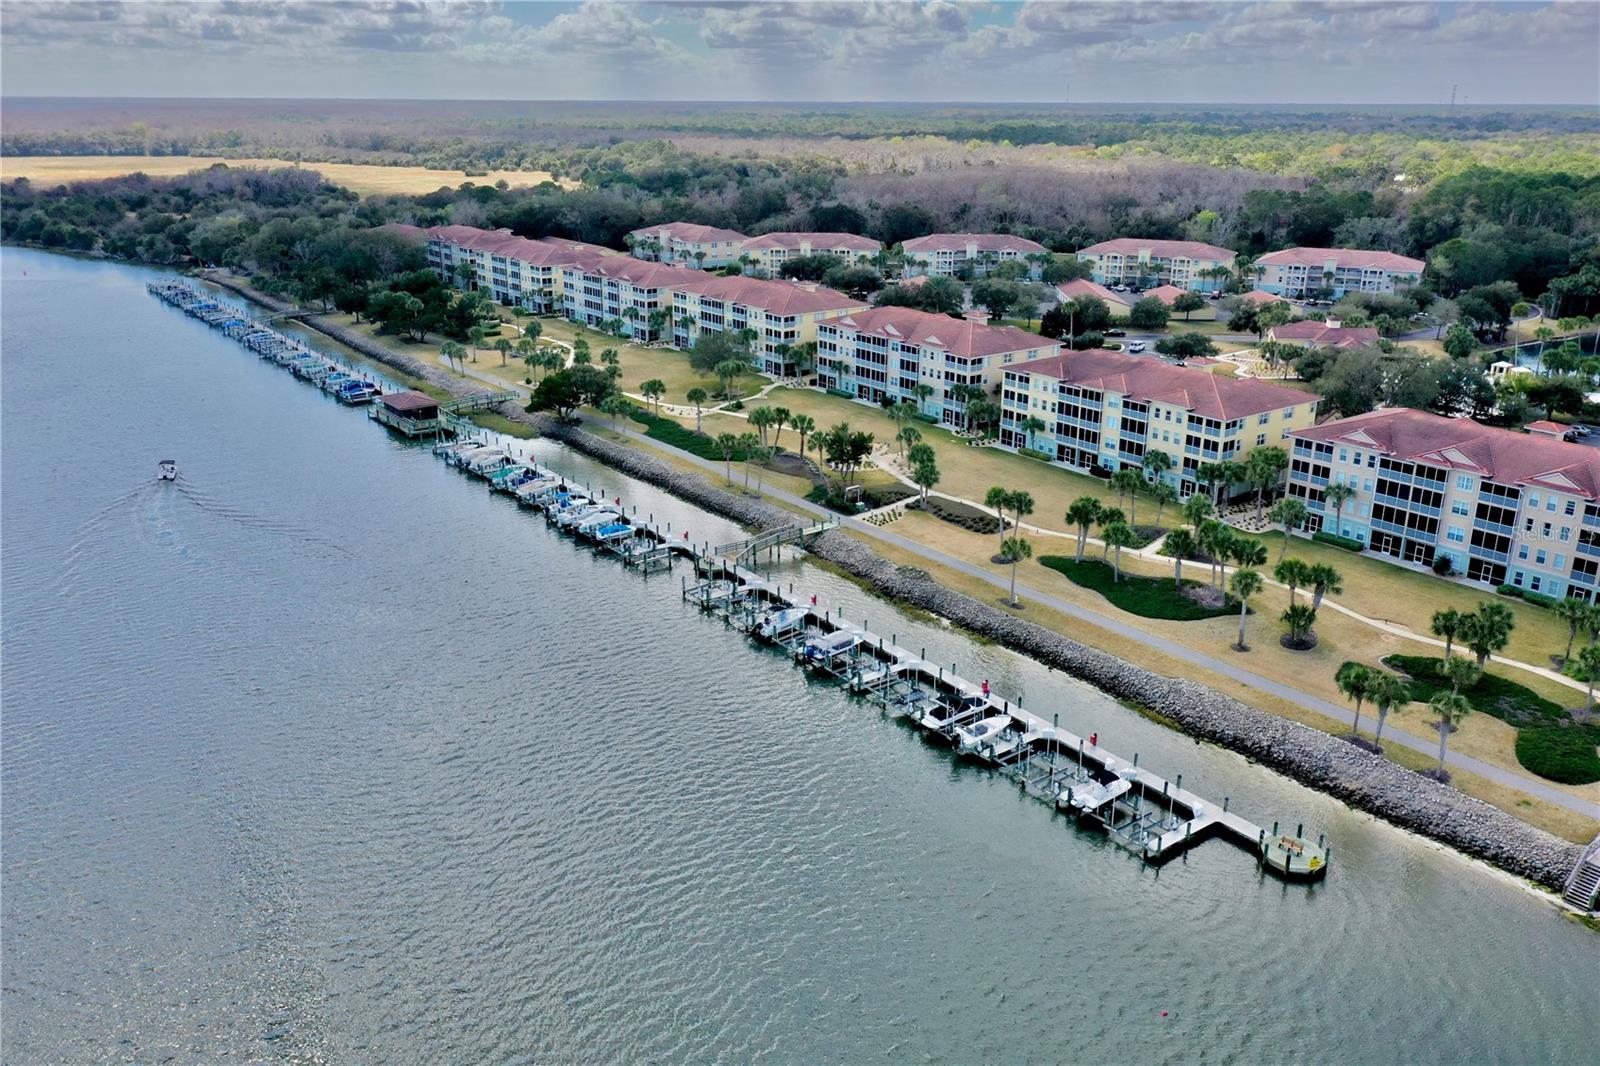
(322, 753)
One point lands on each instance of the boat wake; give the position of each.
(152, 510)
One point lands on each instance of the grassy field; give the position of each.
(362, 178)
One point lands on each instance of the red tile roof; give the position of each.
(1260, 297)
(690, 232)
(1165, 293)
(818, 241)
(1502, 455)
(775, 297)
(1346, 257)
(502, 242)
(1199, 391)
(958, 336)
(1320, 333)
(1160, 249)
(1071, 290)
(986, 242)
(1548, 428)
(639, 272)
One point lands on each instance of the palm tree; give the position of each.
(1215, 539)
(924, 470)
(1021, 506)
(1264, 467)
(1180, 544)
(653, 390)
(477, 335)
(727, 444)
(727, 371)
(613, 406)
(1032, 426)
(1573, 612)
(803, 425)
(1355, 683)
(1299, 618)
(780, 418)
(1243, 585)
(1487, 630)
(1198, 508)
(698, 397)
(1446, 624)
(503, 346)
(751, 444)
(1127, 482)
(1083, 513)
(1155, 464)
(761, 419)
(760, 453)
(1323, 579)
(1386, 691)
(1449, 708)
(1109, 516)
(1290, 513)
(1589, 668)
(921, 391)
(1216, 476)
(1014, 550)
(1243, 552)
(453, 353)
(1163, 495)
(907, 436)
(1461, 673)
(1336, 496)
(1118, 535)
(998, 499)
(1294, 573)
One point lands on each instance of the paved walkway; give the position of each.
(1151, 552)
(1131, 631)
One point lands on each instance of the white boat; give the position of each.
(1091, 797)
(573, 515)
(485, 463)
(531, 491)
(167, 470)
(970, 736)
(775, 624)
(594, 520)
(825, 647)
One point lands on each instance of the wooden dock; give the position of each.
(1151, 815)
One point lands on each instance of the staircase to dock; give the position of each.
(1582, 889)
(746, 550)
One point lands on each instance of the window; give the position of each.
(1539, 556)
(1566, 534)
(1535, 583)
(1366, 486)
(1533, 500)
(1261, 438)
(1522, 551)
(1344, 455)
(1262, 420)
(1464, 482)
(1561, 562)
(1372, 461)
(1356, 458)
(1517, 578)
(1456, 535)
(1545, 532)
(1458, 507)
(1572, 507)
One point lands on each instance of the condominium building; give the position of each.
(617, 289)
(1503, 507)
(507, 268)
(1192, 265)
(768, 252)
(782, 314)
(942, 255)
(1120, 303)
(1104, 410)
(687, 243)
(886, 353)
(1299, 272)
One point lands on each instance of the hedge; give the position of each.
(1147, 597)
(1034, 453)
(1349, 544)
(1561, 753)
(1538, 599)
(667, 431)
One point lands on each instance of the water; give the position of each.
(322, 753)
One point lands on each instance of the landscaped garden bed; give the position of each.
(1148, 597)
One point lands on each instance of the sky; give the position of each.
(1172, 51)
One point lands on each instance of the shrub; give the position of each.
(1034, 453)
(1349, 544)
(1443, 566)
(667, 431)
(846, 393)
(1147, 597)
(1538, 599)
(1493, 695)
(1561, 753)
(968, 518)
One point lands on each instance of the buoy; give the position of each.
(1163, 1014)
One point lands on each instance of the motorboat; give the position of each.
(1091, 797)
(571, 516)
(970, 736)
(775, 624)
(594, 520)
(357, 392)
(167, 470)
(612, 531)
(826, 647)
(487, 462)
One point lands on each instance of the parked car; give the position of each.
(1115, 333)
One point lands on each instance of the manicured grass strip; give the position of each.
(1495, 696)
(1565, 754)
(1147, 597)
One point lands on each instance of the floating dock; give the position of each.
(1152, 816)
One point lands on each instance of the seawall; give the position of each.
(1366, 781)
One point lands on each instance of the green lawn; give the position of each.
(1148, 597)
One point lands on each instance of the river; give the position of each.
(322, 753)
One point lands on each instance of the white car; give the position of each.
(1136, 346)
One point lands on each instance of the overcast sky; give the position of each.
(1168, 51)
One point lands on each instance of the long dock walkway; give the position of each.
(1146, 812)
